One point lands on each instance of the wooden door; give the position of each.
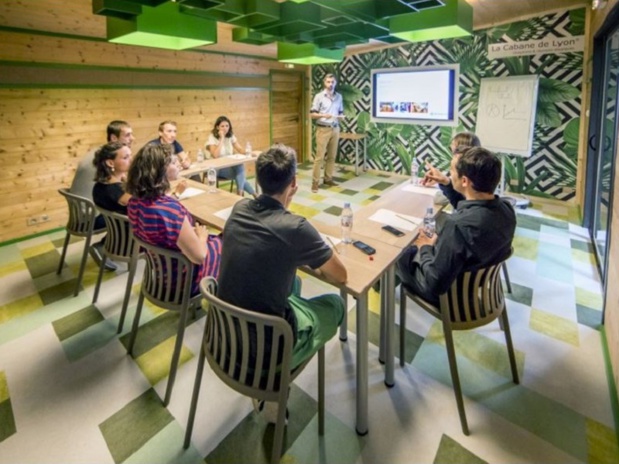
(287, 110)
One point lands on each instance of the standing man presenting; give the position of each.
(327, 109)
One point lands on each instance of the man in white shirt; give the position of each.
(327, 109)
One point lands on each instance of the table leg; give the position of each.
(356, 157)
(344, 324)
(389, 310)
(381, 332)
(365, 152)
(362, 364)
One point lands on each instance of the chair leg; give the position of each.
(321, 391)
(123, 311)
(506, 275)
(136, 324)
(402, 325)
(344, 324)
(64, 253)
(194, 397)
(278, 437)
(80, 275)
(176, 355)
(510, 347)
(455, 378)
(99, 277)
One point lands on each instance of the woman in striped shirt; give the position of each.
(158, 218)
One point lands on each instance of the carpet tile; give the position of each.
(129, 429)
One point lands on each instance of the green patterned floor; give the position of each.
(69, 392)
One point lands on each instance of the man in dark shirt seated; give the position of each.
(263, 246)
(479, 233)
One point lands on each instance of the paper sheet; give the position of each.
(399, 221)
(238, 156)
(430, 191)
(190, 192)
(224, 213)
(333, 239)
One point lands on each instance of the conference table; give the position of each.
(363, 271)
(403, 208)
(222, 162)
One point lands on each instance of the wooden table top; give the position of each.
(399, 201)
(217, 163)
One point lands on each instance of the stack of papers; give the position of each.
(224, 213)
(190, 192)
(399, 221)
(431, 191)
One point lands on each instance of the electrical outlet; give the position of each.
(32, 221)
(43, 218)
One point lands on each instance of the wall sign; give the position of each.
(536, 47)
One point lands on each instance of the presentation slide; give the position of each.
(421, 94)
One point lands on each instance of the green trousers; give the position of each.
(317, 321)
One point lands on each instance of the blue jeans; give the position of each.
(238, 174)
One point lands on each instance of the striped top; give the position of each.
(159, 223)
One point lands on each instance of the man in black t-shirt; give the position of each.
(263, 246)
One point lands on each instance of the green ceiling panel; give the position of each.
(162, 27)
(247, 36)
(116, 8)
(294, 19)
(329, 25)
(257, 13)
(307, 54)
(455, 19)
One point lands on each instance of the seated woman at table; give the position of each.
(111, 163)
(158, 218)
(223, 142)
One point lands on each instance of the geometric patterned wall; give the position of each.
(551, 169)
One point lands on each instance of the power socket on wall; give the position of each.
(34, 220)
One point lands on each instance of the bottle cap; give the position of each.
(347, 205)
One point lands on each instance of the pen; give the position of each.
(333, 244)
(407, 219)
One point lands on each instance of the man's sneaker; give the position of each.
(314, 187)
(268, 410)
(330, 183)
(97, 255)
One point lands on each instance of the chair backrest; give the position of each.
(119, 241)
(168, 276)
(250, 351)
(474, 299)
(82, 213)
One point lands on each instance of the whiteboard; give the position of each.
(506, 114)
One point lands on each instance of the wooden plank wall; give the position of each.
(57, 95)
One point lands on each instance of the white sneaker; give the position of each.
(268, 409)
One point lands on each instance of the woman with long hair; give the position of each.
(223, 142)
(158, 218)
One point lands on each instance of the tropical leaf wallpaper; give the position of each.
(550, 171)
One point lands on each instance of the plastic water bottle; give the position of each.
(414, 171)
(346, 221)
(200, 156)
(429, 223)
(212, 180)
(248, 150)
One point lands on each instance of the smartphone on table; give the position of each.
(393, 230)
(367, 249)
